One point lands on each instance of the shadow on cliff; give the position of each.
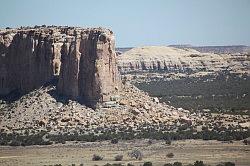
(12, 96)
(65, 100)
(53, 92)
(58, 97)
(16, 95)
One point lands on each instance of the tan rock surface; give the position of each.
(40, 110)
(89, 70)
(25, 61)
(170, 59)
(84, 59)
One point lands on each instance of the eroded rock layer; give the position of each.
(84, 59)
(89, 71)
(26, 60)
(181, 60)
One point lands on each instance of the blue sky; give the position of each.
(140, 22)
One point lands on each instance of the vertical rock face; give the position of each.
(84, 59)
(26, 61)
(89, 68)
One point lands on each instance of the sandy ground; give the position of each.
(211, 152)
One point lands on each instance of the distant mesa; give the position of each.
(217, 49)
(183, 59)
(83, 59)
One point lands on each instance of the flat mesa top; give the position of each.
(51, 33)
(54, 29)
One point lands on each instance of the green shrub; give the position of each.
(177, 164)
(96, 157)
(137, 154)
(168, 142)
(220, 164)
(118, 157)
(190, 165)
(114, 141)
(14, 143)
(229, 164)
(148, 164)
(117, 164)
(246, 142)
(168, 164)
(170, 155)
(130, 164)
(199, 163)
(150, 142)
(107, 164)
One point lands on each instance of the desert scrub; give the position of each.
(97, 157)
(170, 155)
(199, 163)
(114, 141)
(148, 164)
(118, 157)
(137, 154)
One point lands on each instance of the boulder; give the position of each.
(124, 102)
(146, 106)
(133, 103)
(155, 99)
(135, 111)
(115, 97)
(42, 122)
(66, 119)
(109, 104)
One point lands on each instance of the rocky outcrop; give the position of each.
(39, 110)
(181, 60)
(26, 60)
(89, 70)
(84, 59)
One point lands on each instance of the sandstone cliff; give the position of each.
(185, 60)
(31, 57)
(26, 60)
(89, 69)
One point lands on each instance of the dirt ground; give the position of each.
(188, 151)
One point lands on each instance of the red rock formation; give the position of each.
(89, 69)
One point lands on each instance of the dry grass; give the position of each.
(211, 152)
